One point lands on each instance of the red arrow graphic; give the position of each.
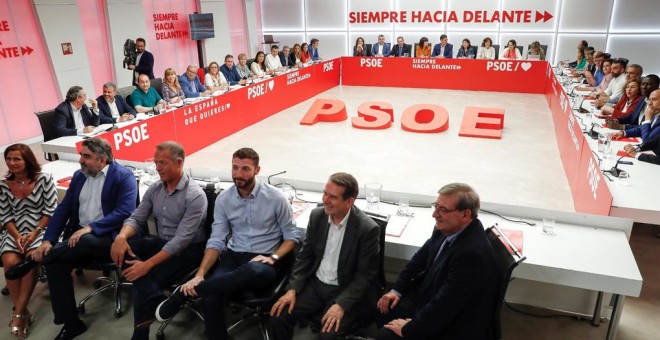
(26, 50)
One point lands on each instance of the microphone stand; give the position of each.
(273, 175)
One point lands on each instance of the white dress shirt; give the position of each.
(113, 109)
(273, 62)
(90, 209)
(327, 272)
(615, 88)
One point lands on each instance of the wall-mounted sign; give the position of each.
(67, 48)
(169, 26)
(517, 16)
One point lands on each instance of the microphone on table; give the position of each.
(583, 99)
(615, 171)
(113, 127)
(273, 175)
(592, 133)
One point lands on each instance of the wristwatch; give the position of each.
(275, 257)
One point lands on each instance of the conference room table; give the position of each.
(586, 251)
(635, 197)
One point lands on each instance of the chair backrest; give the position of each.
(249, 63)
(368, 47)
(381, 221)
(125, 91)
(497, 51)
(475, 49)
(413, 51)
(520, 48)
(129, 102)
(211, 195)
(201, 72)
(157, 84)
(47, 122)
(507, 258)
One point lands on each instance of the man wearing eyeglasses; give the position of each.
(447, 290)
(191, 85)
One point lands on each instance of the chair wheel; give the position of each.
(81, 310)
(118, 314)
(5, 291)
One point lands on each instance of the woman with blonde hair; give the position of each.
(242, 68)
(172, 91)
(535, 49)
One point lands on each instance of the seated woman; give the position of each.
(465, 51)
(486, 51)
(536, 50)
(296, 55)
(511, 51)
(581, 60)
(215, 80)
(423, 50)
(172, 91)
(607, 78)
(629, 100)
(258, 67)
(27, 201)
(360, 49)
(304, 53)
(242, 68)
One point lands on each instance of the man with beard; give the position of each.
(144, 63)
(151, 263)
(102, 194)
(259, 219)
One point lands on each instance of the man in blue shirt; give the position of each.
(230, 72)
(191, 85)
(259, 219)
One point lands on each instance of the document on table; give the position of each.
(397, 224)
(97, 130)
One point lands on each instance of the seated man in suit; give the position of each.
(335, 272)
(145, 98)
(230, 72)
(101, 196)
(443, 49)
(314, 50)
(650, 83)
(653, 145)
(178, 204)
(285, 56)
(259, 219)
(272, 60)
(447, 290)
(112, 106)
(650, 127)
(381, 48)
(191, 85)
(73, 117)
(400, 49)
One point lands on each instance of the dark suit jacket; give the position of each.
(358, 257)
(633, 117)
(104, 109)
(459, 301)
(64, 123)
(145, 66)
(118, 199)
(406, 49)
(644, 131)
(449, 51)
(653, 145)
(286, 61)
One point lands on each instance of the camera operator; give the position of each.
(144, 63)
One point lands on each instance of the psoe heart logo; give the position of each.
(260, 89)
(508, 66)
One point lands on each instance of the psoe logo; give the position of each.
(371, 62)
(260, 89)
(328, 66)
(508, 66)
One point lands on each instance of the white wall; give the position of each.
(60, 24)
(125, 11)
(216, 48)
(624, 28)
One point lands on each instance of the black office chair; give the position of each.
(111, 279)
(260, 301)
(368, 47)
(47, 123)
(129, 101)
(507, 258)
(157, 84)
(520, 48)
(191, 304)
(497, 51)
(249, 63)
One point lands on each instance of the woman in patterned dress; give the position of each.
(27, 200)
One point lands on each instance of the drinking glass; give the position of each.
(372, 193)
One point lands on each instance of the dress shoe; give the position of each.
(71, 330)
(21, 269)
